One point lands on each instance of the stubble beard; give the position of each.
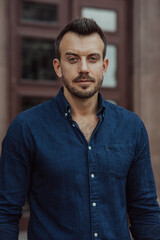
(84, 92)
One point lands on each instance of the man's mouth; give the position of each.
(83, 79)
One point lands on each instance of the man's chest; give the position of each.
(87, 126)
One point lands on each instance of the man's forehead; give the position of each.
(73, 41)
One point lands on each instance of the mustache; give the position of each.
(83, 77)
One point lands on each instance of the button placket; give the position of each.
(93, 193)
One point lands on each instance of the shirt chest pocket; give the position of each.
(120, 158)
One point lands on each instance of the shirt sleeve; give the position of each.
(14, 178)
(143, 208)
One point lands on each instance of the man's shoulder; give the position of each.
(40, 110)
(36, 115)
(120, 113)
(124, 123)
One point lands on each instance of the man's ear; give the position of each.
(105, 65)
(57, 67)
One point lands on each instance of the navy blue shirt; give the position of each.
(78, 190)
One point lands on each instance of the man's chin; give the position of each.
(84, 93)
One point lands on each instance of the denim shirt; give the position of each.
(78, 190)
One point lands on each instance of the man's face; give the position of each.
(81, 65)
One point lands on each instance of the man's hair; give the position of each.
(81, 26)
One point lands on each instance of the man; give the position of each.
(83, 162)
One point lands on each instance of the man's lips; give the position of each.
(85, 80)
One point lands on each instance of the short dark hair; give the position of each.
(81, 26)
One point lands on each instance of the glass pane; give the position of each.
(38, 12)
(28, 102)
(37, 59)
(106, 19)
(110, 78)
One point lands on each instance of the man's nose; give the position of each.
(83, 66)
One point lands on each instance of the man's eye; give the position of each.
(73, 60)
(93, 59)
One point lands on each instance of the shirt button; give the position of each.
(94, 204)
(73, 125)
(66, 114)
(92, 175)
(95, 234)
(89, 147)
(69, 110)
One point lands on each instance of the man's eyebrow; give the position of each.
(71, 53)
(76, 55)
(94, 53)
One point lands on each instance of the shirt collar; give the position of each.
(101, 104)
(63, 103)
(66, 108)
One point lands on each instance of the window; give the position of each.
(37, 57)
(28, 102)
(113, 17)
(106, 19)
(110, 78)
(33, 12)
(34, 25)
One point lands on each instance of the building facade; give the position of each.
(27, 32)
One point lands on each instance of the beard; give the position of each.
(84, 91)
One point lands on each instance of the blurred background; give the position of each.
(28, 29)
